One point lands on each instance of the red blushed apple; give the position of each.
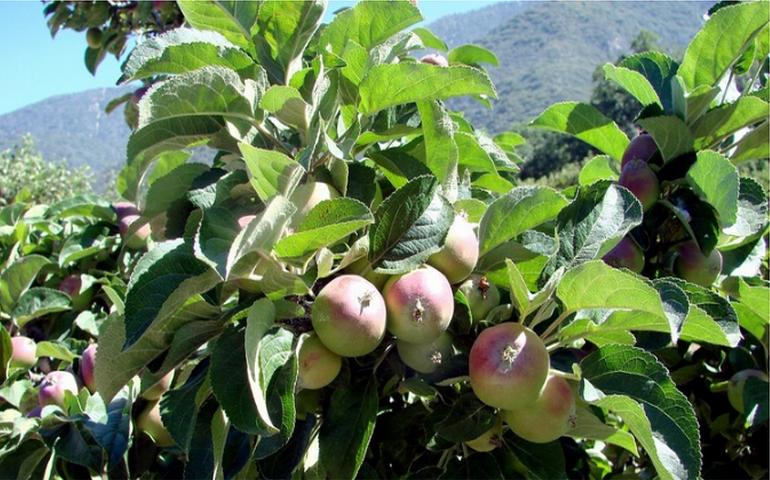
(53, 387)
(638, 177)
(88, 367)
(626, 254)
(547, 418)
(692, 265)
(435, 59)
(23, 352)
(643, 148)
(458, 257)
(72, 285)
(318, 365)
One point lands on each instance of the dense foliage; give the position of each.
(358, 286)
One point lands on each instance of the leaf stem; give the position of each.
(552, 327)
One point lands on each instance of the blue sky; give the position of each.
(34, 66)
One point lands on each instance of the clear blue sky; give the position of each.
(34, 66)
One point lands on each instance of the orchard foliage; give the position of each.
(357, 287)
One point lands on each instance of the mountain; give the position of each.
(548, 52)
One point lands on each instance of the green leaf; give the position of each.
(110, 430)
(179, 406)
(396, 84)
(200, 461)
(720, 42)
(327, 223)
(518, 287)
(659, 69)
(586, 123)
(636, 387)
(230, 380)
(284, 30)
(39, 301)
(594, 222)
(441, 153)
(724, 120)
(271, 173)
(587, 425)
(711, 319)
(183, 50)
(55, 350)
(715, 179)
(472, 208)
(231, 18)
(368, 24)
(429, 39)
(471, 155)
(467, 419)
(543, 461)
(754, 145)
(755, 401)
(634, 83)
(472, 55)
(18, 277)
(129, 178)
(6, 349)
(670, 134)
(409, 226)
(287, 104)
(216, 232)
(521, 209)
(752, 214)
(172, 187)
(347, 429)
(84, 206)
(600, 167)
(164, 280)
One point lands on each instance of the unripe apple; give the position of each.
(489, 440)
(626, 254)
(508, 365)
(318, 365)
(138, 240)
(54, 385)
(737, 383)
(458, 257)
(420, 305)
(94, 37)
(482, 295)
(245, 220)
(426, 357)
(151, 423)
(159, 388)
(547, 418)
(72, 285)
(349, 316)
(643, 148)
(691, 265)
(435, 59)
(307, 196)
(638, 177)
(88, 367)
(23, 352)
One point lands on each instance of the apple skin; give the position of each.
(435, 59)
(639, 178)
(53, 387)
(124, 209)
(489, 440)
(139, 239)
(88, 367)
(151, 423)
(425, 357)
(159, 388)
(691, 265)
(349, 316)
(738, 382)
(642, 147)
(71, 285)
(626, 254)
(549, 417)
(420, 305)
(307, 196)
(318, 366)
(245, 220)
(508, 366)
(458, 257)
(23, 352)
(482, 296)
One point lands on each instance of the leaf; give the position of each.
(472, 55)
(715, 179)
(111, 430)
(755, 401)
(720, 42)
(396, 84)
(284, 30)
(752, 213)
(270, 172)
(712, 319)
(659, 69)
(368, 24)
(327, 223)
(163, 281)
(179, 406)
(600, 167)
(6, 349)
(521, 209)
(634, 83)
(409, 226)
(753, 145)
(17, 278)
(586, 123)
(54, 350)
(520, 295)
(471, 155)
(347, 429)
(286, 461)
(39, 301)
(429, 39)
(588, 426)
(466, 420)
(230, 380)
(636, 387)
(676, 306)
(593, 223)
(543, 461)
(441, 153)
(724, 120)
(233, 19)
(670, 134)
(287, 104)
(183, 50)
(173, 186)
(200, 461)
(216, 232)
